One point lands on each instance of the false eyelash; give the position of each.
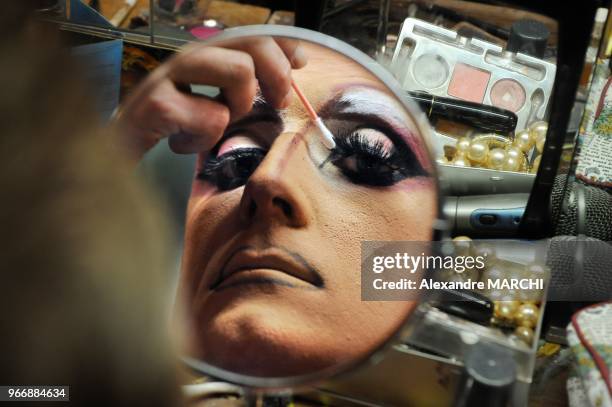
(354, 142)
(357, 142)
(231, 169)
(395, 165)
(214, 164)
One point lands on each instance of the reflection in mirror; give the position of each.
(490, 69)
(270, 279)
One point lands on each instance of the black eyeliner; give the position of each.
(232, 169)
(393, 166)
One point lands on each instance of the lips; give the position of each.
(274, 259)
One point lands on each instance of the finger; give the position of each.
(167, 111)
(294, 51)
(201, 123)
(149, 115)
(231, 70)
(272, 68)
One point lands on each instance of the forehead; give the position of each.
(329, 71)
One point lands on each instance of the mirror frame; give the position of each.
(267, 385)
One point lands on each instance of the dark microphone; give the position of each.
(580, 274)
(580, 209)
(580, 264)
(581, 269)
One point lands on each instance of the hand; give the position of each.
(158, 109)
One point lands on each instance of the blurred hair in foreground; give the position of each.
(84, 294)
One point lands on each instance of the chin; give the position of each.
(267, 342)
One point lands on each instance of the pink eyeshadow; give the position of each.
(235, 142)
(468, 83)
(508, 94)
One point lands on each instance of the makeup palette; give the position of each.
(439, 61)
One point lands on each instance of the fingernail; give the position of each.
(299, 57)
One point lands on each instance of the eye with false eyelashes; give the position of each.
(367, 156)
(232, 169)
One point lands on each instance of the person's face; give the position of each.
(271, 266)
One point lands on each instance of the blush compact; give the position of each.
(440, 62)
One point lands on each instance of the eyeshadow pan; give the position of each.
(468, 83)
(508, 94)
(430, 70)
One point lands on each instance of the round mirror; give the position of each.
(270, 282)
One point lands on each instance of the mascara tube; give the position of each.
(483, 117)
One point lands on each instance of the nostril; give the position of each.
(284, 205)
(252, 209)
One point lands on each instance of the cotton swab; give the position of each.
(327, 136)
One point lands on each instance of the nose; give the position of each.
(275, 192)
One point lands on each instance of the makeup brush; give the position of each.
(326, 136)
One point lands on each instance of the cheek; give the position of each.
(357, 215)
(403, 213)
(200, 190)
(417, 202)
(209, 211)
(211, 219)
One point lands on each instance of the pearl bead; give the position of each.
(527, 315)
(511, 164)
(523, 140)
(515, 152)
(525, 334)
(518, 154)
(538, 129)
(535, 165)
(462, 245)
(506, 309)
(478, 151)
(496, 159)
(463, 144)
(538, 132)
(486, 251)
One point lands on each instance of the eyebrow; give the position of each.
(262, 111)
(351, 104)
(353, 100)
